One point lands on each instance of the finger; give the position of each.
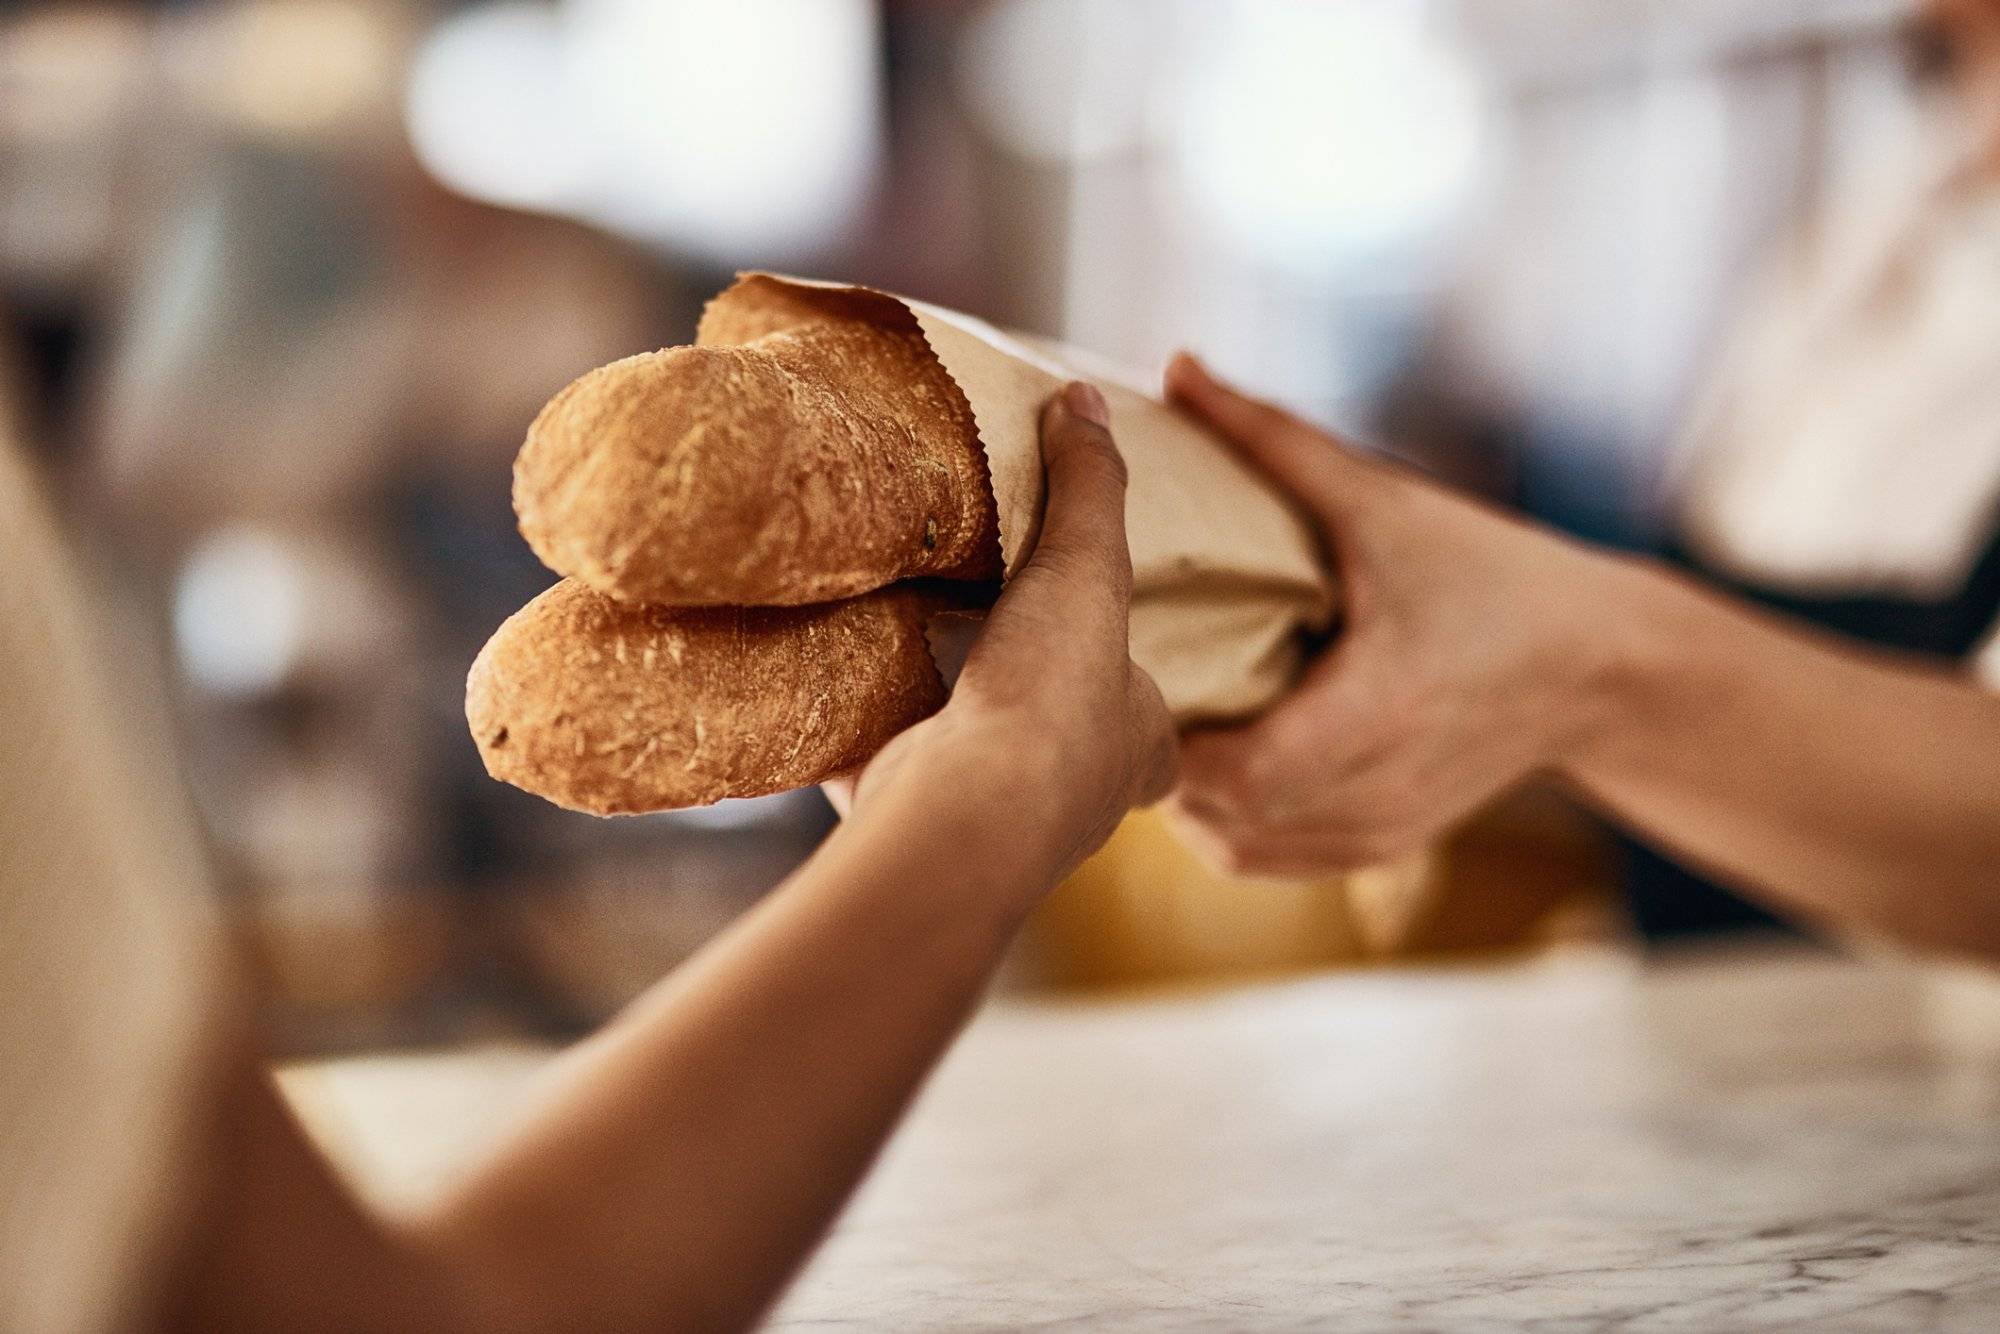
(1289, 854)
(1152, 744)
(839, 794)
(1274, 772)
(1242, 773)
(1269, 771)
(1303, 460)
(1083, 523)
(1356, 819)
(1315, 860)
(1278, 765)
(1067, 609)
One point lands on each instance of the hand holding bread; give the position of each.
(735, 523)
(757, 531)
(1051, 722)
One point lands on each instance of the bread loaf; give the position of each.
(612, 708)
(816, 462)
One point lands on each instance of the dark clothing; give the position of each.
(1670, 900)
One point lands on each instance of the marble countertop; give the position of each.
(1725, 1142)
(1722, 1143)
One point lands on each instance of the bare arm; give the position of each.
(1845, 784)
(694, 1152)
(1855, 786)
(687, 1159)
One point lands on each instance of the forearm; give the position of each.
(681, 1165)
(1851, 785)
(692, 1154)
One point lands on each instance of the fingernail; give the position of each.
(1088, 403)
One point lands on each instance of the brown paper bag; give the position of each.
(1226, 577)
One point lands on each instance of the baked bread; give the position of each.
(611, 708)
(816, 462)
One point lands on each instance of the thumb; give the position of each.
(1083, 519)
(1318, 470)
(1068, 604)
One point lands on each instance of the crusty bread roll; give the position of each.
(813, 463)
(611, 708)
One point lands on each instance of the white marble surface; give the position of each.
(1732, 1143)
(1584, 1145)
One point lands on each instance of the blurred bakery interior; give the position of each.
(282, 282)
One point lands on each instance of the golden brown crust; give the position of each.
(816, 462)
(610, 708)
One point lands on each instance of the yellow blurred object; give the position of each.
(1528, 872)
(1525, 874)
(1145, 909)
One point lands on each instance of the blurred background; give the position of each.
(282, 282)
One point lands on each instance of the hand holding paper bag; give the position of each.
(1473, 656)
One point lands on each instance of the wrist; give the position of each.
(967, 828)
(1640, 635)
